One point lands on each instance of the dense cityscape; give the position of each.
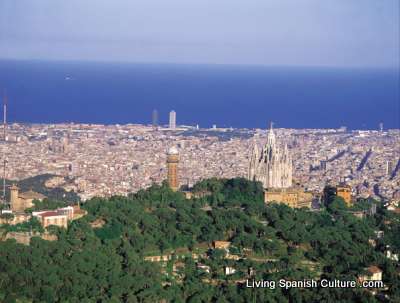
(104, 160)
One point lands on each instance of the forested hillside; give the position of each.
(102, 256)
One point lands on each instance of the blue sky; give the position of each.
(343, 33)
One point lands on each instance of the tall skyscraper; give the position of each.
(172, 166)
(154, 118)
(381, 127)
(172, 119)
(273, 167)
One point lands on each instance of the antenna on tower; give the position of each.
(271, 125)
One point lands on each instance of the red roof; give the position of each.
(374, 269)
(50, 214)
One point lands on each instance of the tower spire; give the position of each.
(271, 135)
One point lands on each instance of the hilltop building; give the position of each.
(293, 197)
(273, 167)
(344, 191)
(172, 166)
(59, 216)
(21, 201)
(52, 217)
(16, 218)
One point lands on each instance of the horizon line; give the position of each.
(194, 126)
(252, 65)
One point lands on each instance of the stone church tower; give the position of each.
(273, 167)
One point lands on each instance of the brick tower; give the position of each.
(172, 165)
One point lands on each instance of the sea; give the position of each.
(204, 95)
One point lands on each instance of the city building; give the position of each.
(21, 201)
(172, 119)
(172, 166)
(273, 168)
(59, 144)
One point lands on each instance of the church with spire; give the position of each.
(273, 166)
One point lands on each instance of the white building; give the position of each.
(172, 119)
(51, 217)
